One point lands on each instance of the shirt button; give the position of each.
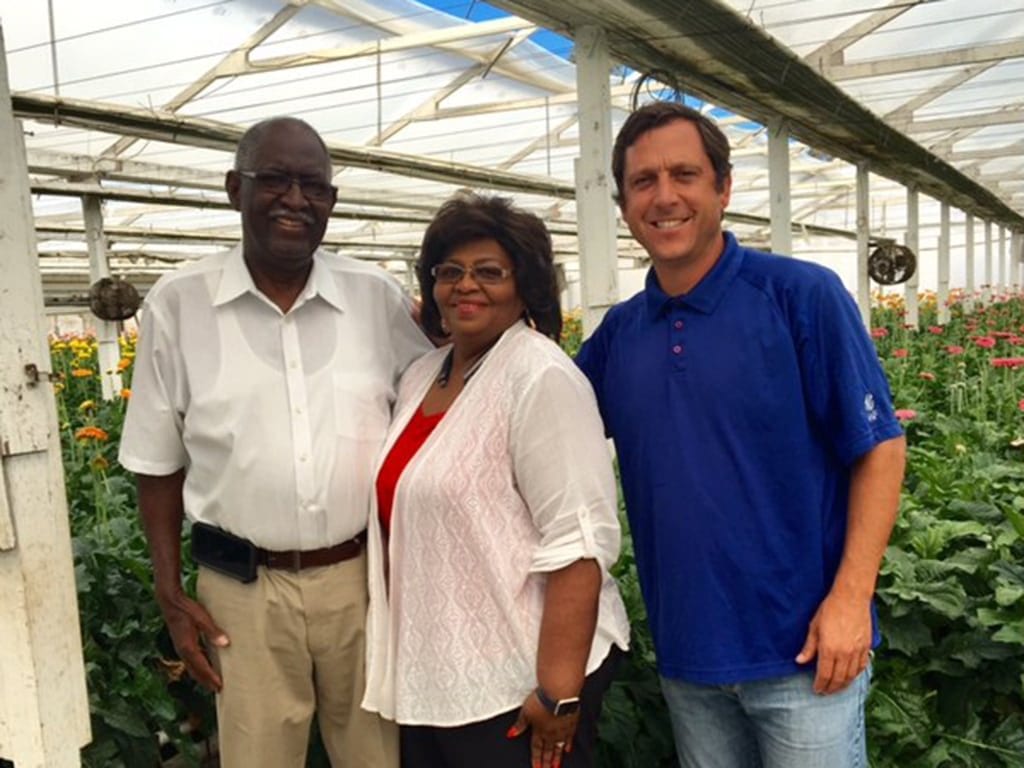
(678, 349)
(678, 324)
(302, 457)
(298, 411)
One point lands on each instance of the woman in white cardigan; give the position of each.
(494, 623)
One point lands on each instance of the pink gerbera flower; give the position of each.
(905, 414)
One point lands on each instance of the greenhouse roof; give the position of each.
(139, 102)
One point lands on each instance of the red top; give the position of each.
(412, 438)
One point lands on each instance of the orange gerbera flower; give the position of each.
(91, 433)
(82, 373)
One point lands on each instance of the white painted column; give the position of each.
(99, 267)
(1017, 257)
(1002, 260)
(863, 243)
(44, 713)
(779, 187)
(971, 300)
(942, 295)
(595, 211)
(912, 240)
(987, 295)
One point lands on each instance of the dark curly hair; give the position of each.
(657, 114)
(467, 217)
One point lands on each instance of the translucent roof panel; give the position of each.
(447, 94)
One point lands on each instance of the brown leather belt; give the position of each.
(296, 560)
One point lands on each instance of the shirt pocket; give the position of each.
(362, 406)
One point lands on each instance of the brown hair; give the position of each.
(657, 114)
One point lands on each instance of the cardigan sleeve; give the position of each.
(563, 470)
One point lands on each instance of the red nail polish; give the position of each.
(511, 733)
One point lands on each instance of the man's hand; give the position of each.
(840, 636)
(550, 736)
(189, 623)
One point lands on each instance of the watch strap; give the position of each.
(557, 707)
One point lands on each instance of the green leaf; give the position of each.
(1011, 633)
(1007, 595)
(1016, 520)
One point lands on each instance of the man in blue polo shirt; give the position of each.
(761, 463)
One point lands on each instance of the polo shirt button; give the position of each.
(678, 349)
(678, 323)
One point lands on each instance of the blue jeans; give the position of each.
(776, 723)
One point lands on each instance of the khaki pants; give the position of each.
(297, 647)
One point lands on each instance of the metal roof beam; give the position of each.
(209, 77)
(962, 122)
(831, 53)
(429, 38)
(951, 57)
(76, 167)
(388, 22)
(995, 153)
(618, 92)
(901, 116)
(200, 132)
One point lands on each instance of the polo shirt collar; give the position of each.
(706, 295)
(236, 280)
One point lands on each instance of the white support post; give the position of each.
(863, 242)
(1017, 255)
(942, 296)
(595, 212)
(971, 299)
(987, 296)
(779, 187)
(912, 241)
(99, 267)
(1002, 260)
(44, 713)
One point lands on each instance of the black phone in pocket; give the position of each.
(224, 552)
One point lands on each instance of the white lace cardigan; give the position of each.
(514, 482)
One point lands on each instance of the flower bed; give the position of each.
(949, 679)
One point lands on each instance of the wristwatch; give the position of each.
(559, 707)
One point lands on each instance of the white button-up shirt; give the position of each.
(277, 417)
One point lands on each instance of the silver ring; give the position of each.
(560, 744)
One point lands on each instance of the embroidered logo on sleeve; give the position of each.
(870, 409)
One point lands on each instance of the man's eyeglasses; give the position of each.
(277, 183)
(482, 274)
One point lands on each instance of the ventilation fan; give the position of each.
(891, 263)
(112, 298)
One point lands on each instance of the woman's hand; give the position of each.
(550, 736)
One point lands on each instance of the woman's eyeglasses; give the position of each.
(482, 274)
(277, 183)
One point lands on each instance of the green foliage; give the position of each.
(634, 730)
(949, 677)
(132, 685)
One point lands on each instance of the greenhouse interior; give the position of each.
(883, 140)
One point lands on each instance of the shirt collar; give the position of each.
(236, 280)
(704, 296)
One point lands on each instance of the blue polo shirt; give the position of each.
(737, 411)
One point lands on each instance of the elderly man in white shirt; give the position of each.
(261, 396)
